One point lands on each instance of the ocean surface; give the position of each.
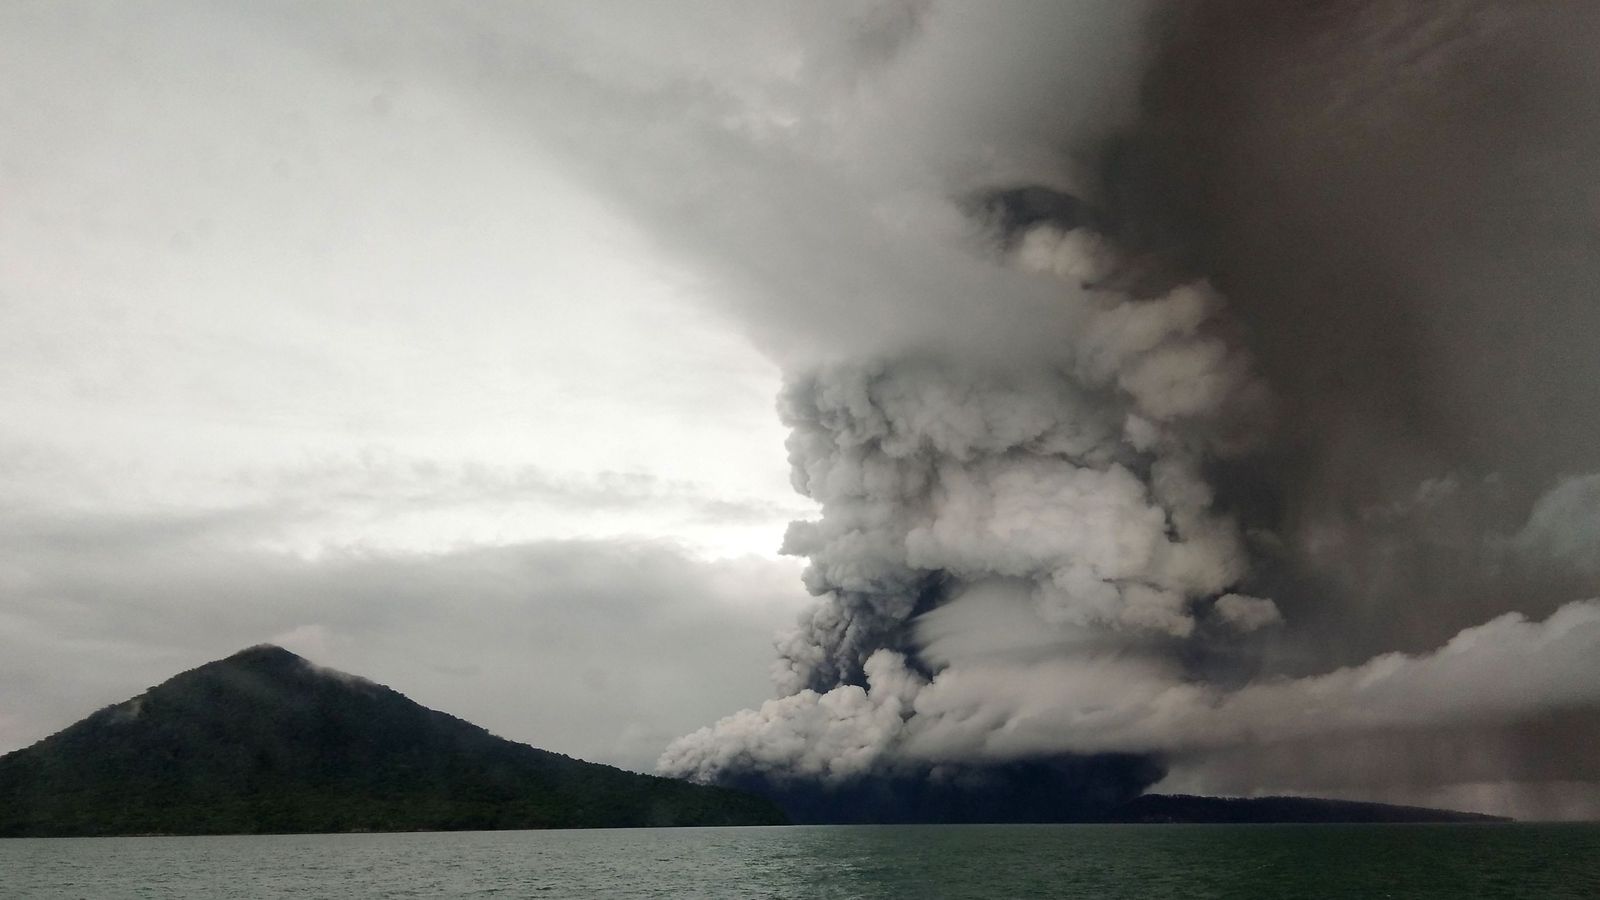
(1148, 862)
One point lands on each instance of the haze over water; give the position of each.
(1089, 861)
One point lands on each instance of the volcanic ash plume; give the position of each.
(1073, 485)
(1180, 383)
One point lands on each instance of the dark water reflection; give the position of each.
(1088, 861)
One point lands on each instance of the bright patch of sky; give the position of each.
(235, 274)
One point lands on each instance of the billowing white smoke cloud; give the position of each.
(1247, 613)
(844, 733)
(1564, 527)
(1011, 548)
(1025, 699)
(1033, 533)
(1016, 443)
(1504, 669)
(1080, 475)
(1076, 479)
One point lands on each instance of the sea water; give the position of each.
(1148, 862)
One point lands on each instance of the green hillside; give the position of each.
(264, 741)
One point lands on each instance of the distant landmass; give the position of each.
(266, 742)
(1104, 789)
(1184, 808)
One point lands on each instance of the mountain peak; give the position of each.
(266, 741)
(262, 656)
(262, 651)
(262, 674)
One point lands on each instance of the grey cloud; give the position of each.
(594, 648)
(998, 706)
(1372, 502)
(1210, 443)
(819, 200)
(1397, 200)
(1530, 767)
(386, 482)
(1311, 348)
(1564, 526)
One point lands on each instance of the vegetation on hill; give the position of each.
(264, 742)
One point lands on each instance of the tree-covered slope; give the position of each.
(264, 741)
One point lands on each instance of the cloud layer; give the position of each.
(589, 647)
(1196, 380)
(1187, 522)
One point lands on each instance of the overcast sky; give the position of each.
(1154, 392)
(303, 348)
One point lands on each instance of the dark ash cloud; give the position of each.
(1193, 383)
(1310, 430)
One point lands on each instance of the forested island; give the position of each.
(266, 742)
